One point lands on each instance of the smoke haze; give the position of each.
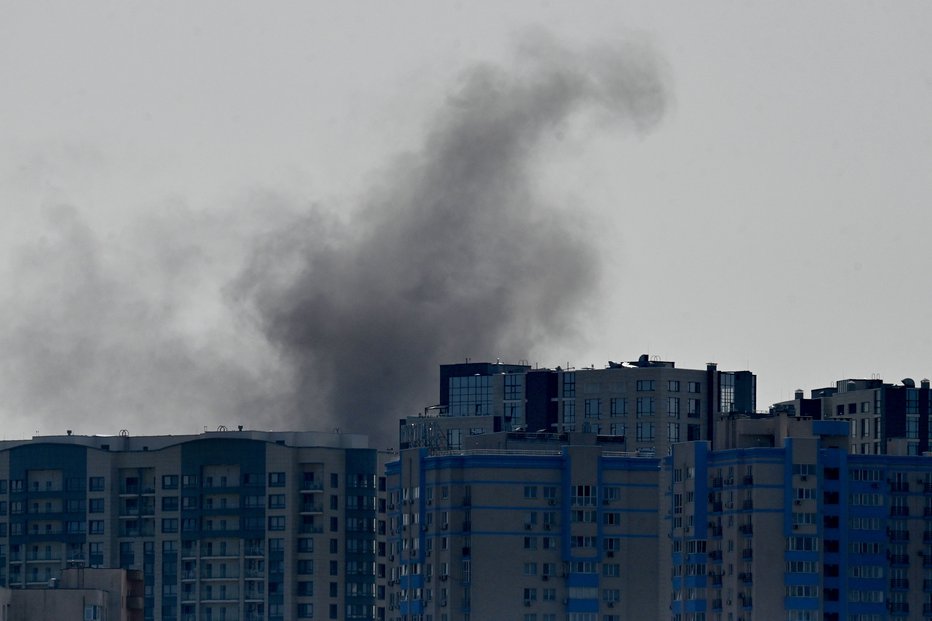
(454, 254)
(327, 322)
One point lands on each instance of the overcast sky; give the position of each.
(214, 211)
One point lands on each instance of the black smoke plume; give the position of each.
(329, 320)
(455, 253)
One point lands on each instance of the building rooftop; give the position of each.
(126, 442)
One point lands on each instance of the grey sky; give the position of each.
(774, 217)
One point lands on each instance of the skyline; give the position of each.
(770, 218)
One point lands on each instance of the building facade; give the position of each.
(224, 526)
(650, 404)
(885, 418)
(538, 527)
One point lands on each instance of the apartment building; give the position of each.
(224, 526)
(788, 524)
(885, 418)
(649, 403)
(534, 527)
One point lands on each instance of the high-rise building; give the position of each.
(224, 526)
(648, 404)
(886, 418)
(541, 527)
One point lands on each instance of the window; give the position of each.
(305, 611)
(95, 527)
(530, 491)
(645, 385)
(169, 503)
(618, 407)
(276, 522)
(95, 484)
(276, 479)
(593, 408)
(569, 384)
(673, 385)
(95, 505)
(569, 412)
(276, 501)
(470, 395)
(645, 406)
(189, 480)
(645, 432)
(169, 525)
(673, 407)
(694, 387)
(169, 481)
(673, 432)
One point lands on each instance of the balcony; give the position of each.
(899, 584)
(899, 511)
(312, 486)
(311, 508)
(899, 559)
(899, 486)
(217, 595)
(42, 557)
(230, 574)
(898, 535)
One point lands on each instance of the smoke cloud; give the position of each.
(328, 320)
(455, 253)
